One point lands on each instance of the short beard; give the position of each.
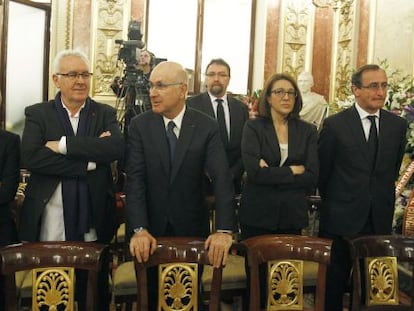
(216, 90)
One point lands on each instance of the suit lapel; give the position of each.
(157, 130)
(384, 129)
(186, 135)
(293, 139)
(92, 118)
(357, 131)
(234, 119)
(271, 139)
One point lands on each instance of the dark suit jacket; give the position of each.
(348, 188)
(273, 198)
(158, 194)
(239, 114)
(9, 181)
(46, 167)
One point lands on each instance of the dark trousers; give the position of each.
(249, 232)
(103, 288)
(152, 279)
(338, 276)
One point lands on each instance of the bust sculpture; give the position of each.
(315, 107)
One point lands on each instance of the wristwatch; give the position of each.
(139, 229)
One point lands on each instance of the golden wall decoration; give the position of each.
(178, 287)
(295, 27)
(53, 289)
(61, 33)
(110, 20)
(344, 57)
(381, 281)
(285, 284)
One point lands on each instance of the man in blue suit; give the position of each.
(169, 149)
(235, 112)
(360, 153)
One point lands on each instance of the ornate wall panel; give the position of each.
(296, 37)
(62, 32)
(345, 49)
(110, 20)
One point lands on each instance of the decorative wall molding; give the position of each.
(296, 33)
(110, 20)
(344, 52)
(61, 34)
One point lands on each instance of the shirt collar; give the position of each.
(213, 98)
(363, 114)
(76, 115)
(177, 120)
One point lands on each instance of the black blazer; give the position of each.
(158, 194)
(9, 181)
(346, 183)
(46, 167)
(239, 114)
(273, 198)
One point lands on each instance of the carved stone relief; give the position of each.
(109, 23)
(296, 24)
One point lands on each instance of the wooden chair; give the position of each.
(375, 272)
(178, 277)
(52, 265)
(285, 256)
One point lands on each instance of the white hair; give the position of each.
(66, 53)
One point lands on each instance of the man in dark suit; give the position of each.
(165, 165)
(9, 181)
(235, 112)
(68, 146)
(359, 164)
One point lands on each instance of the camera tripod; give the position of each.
(132, 99)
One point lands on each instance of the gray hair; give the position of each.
(66, 53)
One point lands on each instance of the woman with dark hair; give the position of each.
(280, 157)
(279, 153)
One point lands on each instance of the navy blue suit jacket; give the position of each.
(159, 194)
(239, 114)
(273, 198)
(9, 181)
(46, 167)
(350, 192)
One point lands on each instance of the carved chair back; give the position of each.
(52, 265)
(285, 256)
(178, 260)
(378, 264)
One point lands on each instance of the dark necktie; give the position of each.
(372, 140)
(172, 138)
(222, 121)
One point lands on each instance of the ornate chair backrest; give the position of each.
(375, 271)
(177, 259)
(284, 256)
(52, 265)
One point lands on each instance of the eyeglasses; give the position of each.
(375, 86)
(282, 93)
(162, 86)
(74, 75)
(216, 74)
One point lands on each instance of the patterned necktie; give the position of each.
(373, 140)
(172, 138)
(222, 121)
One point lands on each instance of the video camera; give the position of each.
(128, 51)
